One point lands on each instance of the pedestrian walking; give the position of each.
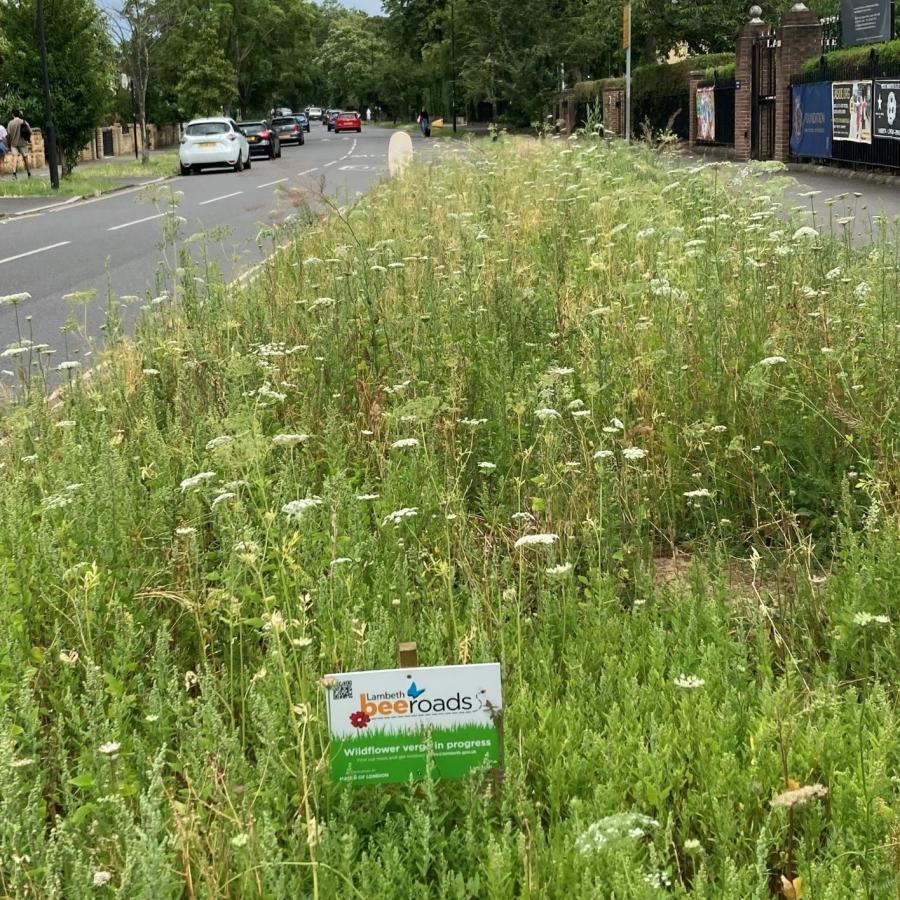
(424, 123)
(4, 147)
(368, 113)
(18, 133)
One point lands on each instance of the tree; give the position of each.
(350, 58)
(79, 53)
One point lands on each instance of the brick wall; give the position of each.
(744, 77)
(799, 37)
(614, 110)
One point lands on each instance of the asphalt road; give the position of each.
(113, 243)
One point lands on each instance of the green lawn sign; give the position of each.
(386, 725)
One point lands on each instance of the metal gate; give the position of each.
(762, 121)
(108, 146)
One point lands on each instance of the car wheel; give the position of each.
(248, 164)
(185, 170)
(359, 130)
(239, 165)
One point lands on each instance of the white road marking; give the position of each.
(223, 197)
(32, 252)
(307, 171)
(355, 167)
(330, 163)
(270, 183)
(113, 194)
(136, 222)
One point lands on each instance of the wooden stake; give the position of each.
(409, 655)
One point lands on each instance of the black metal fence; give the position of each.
(661, 111)
(881, 152)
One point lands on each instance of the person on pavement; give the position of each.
(424, 123)
(4, 146)
(19, 141)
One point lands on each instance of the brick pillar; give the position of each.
(744, 77)
(799, 38)
(694, 78)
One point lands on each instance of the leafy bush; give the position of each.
(856, 57)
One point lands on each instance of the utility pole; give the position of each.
(626, 40)
(453, 64)
(49, 130)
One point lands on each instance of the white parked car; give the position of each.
(213, 142)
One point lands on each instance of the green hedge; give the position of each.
(888, 54)
(728, 72)
(662, 79)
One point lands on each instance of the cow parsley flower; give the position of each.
(698, 492)
(296, 509)
(487, 466)
(773, 361)
(805, 232)
(561, 569)
(221, 498)
(603, 454)
(405, 443)
(561, 371)
(864, 619)
(110, 749)
(68, 365)
(289, 440)
(689, 682)
(472, 423)
(532, 540)
(102, 878)
(398, 515)
(196, 480)
(223, 440)
(546, 413)
(862, 290)
(14, 299)
(367, 496)
(633, 453)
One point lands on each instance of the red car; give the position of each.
(348, 121)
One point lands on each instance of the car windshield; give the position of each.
(349, 115)
(278, 122)
(200, 129)
(252, 127)
(300, 118)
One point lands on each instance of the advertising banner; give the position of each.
(387, 725)
(811, 119)
(851, 111)
(887, 120)
(865, 22)
(706, 113)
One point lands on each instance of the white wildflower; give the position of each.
(340, 561)
(863, 619)
(603, 454)
(110, 749)
(367, 496)
(102, 878)
(68, 365)
(223, 440)
(472, 423)
(185, 530)
(561, 569)
(689, 682)
(196, 480)
(634, 453)
(698, 492)
(296, 509)
(772, 361)
(14, 299)
(398, 515)
(546, 413)
(805, 232)
(487, 466)
(799, 796)
(404, 443)
(561, 371)
(522, 517)
(531, 540)
(833, 274)
(289, 440)
(862, 290)
(21, 763)
(221, 498)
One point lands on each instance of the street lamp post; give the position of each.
(129, 84)
(453, 64)
(49, 129)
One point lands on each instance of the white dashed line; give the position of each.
(307, 171)
(32, 252)
(330, 163)
(270, 183)
(223, 197)
(136, 222)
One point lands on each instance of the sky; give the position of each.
(372, 7)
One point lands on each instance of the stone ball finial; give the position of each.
(755, 13)
(799, 7)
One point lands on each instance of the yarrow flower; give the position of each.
(296, 509)
(689, 682)
(196, 480)
(398, 515)
(289, 440)
(405, 443)
(533, 540)
(799, 796)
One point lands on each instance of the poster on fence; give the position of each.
(865, 22)
(811, 119)
(390, 725)
(851, 111)
(887, 122)
(706, 113)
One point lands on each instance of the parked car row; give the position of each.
(220, 141)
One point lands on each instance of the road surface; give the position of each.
(113, 243)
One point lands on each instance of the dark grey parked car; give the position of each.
(289, 130)
(262, 139)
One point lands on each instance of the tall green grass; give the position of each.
(691, 397)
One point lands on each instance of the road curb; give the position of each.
(849, 174)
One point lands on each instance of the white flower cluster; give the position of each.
(612, 829)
